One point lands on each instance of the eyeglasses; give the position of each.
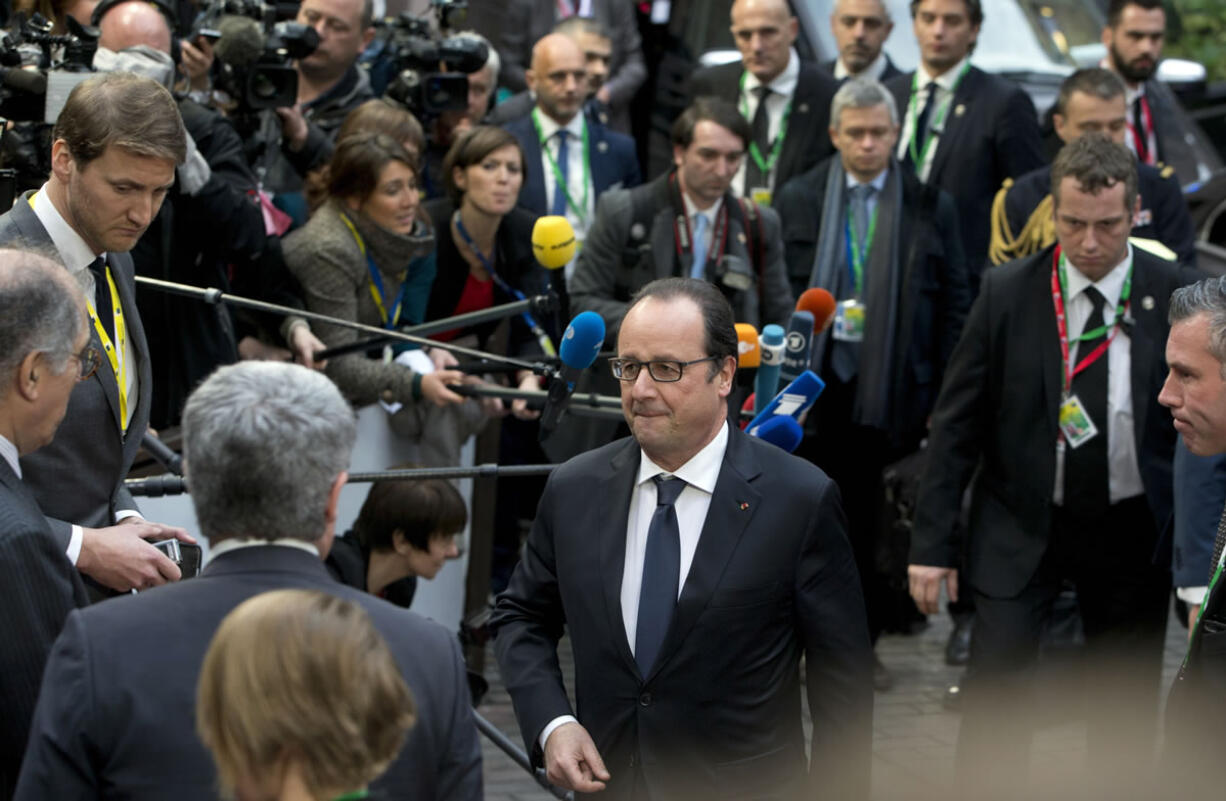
(87, 361)
(665, 371)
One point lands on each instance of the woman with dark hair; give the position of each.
(376, 116)
(406, 529)
(484, 247)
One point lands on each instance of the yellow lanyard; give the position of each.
(114, 350)
(376, 283)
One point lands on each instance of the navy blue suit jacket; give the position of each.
(614, 164)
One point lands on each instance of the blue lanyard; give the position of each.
(541, 337)
(390, 321)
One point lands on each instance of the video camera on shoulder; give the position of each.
(32, 60)
(431, 68)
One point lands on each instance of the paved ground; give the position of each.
(913, 734)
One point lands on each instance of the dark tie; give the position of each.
(1085, 467)
(1218, 543)
(754, 176)
(102, 296)
(559, 192)
(921, 126)
(661, 575)
(1142, 135)
(860, 195)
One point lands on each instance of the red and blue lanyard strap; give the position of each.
(1141, 139)
(390, 321)
(537, 331)
(1058, 290)
(857, 252)
(920, 156)
(765, 164)
(683, 234)
(580, 210)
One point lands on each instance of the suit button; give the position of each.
(645, 699)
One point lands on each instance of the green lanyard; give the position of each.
(356, 795)
(858, 251)
(579, 210)
(920, 158)
(1121, 308)
(777, 146)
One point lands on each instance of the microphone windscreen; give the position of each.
(29, 81)
(582, 340)
(818, 302)
(748, 352)
(241, 42)
(783, 431)
(553, 242)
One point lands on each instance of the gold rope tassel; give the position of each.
(1038, 233)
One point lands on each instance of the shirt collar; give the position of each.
(946, 80)
(549, 126)
(701, 471)
(785, 82)
(9, 452)
(238, 543)
(873, 70)
(691, 209)
(74, 253)
(877, 183)
(1110, 285)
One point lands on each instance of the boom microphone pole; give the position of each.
(517, 756)
(214, 296)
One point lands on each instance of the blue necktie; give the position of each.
(661, 575)
(559, 191)
(699, 268)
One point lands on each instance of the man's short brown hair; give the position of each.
(1096, 163)
(124, 110)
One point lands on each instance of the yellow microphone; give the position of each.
(748, 352)
(553, 242)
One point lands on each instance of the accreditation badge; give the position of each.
(849, 321)
(761, 195)
(1075, 423)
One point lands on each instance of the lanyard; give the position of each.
(768, 164)
(936, 126)
(1058, 289)
(376, 281)
(356, 795)
(541, 337)
(857, 252)
(1142, 140)
(580, 211)
(683, 235)
(114, 349)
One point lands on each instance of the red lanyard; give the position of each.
(683, 235)
(1143, 140)
(1057, 299)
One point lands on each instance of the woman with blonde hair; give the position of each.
(300, 699)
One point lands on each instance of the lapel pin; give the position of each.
(803, 108)
(744, 506)
(1147, 303)
(959, 110)
(602, 146)
(741, 238)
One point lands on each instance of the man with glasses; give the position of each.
(45, 350)
(692, 566)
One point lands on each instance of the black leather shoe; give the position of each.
(958, 648)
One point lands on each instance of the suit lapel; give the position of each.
(733, 505)
(663, 245)
(614, 503)
(957, 120)
(1146, 333)
(598, 158)
(123, 271)
(800, 134)
(533, 196)
(1048, 339)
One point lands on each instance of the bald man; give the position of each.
(787, 103)
(860, 28)
(570, 157)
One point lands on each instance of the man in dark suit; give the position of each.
(1090, 99)
(570, 159)
(860, 28)
(44, 350)
(1073, 461)
(116, 145)
(964, 130)
(787, 102)
(1195, 393)
(688, 622)
(268, 444)
(887, 248)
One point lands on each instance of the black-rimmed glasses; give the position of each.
(663, 370)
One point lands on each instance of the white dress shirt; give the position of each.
(946, 83)
(76, 256)
(1124, 473)
(575, 173)
(782, 89)
(238, 543)
(700, 474)
(8, 451)
(874, 70)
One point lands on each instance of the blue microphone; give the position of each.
(781, 430)
(580, 345)
(766, 382)
(793, 401)
(796, 352)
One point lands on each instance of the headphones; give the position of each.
(168, 11)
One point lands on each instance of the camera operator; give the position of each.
(450, 125)
(189, 339)
(330, 85)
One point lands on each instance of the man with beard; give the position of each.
(860, 28)
(1157, 125)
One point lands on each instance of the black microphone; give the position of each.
(29, 81)
(157, 486)
(580, 346)
(162, 453)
